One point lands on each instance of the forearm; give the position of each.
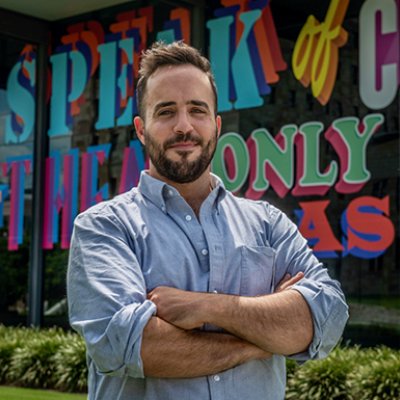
(171, 352)
(279, 323)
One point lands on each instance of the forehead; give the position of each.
(178, 83)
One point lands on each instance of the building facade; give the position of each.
(309, 97)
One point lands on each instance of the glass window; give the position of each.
(328, 137)
(17, 120)
(93, 152)
(338, 175)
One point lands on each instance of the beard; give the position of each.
(182, 171)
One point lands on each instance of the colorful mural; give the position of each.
(243, 42)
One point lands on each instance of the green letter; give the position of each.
(232, 167)
(273, 161)
(309, 178)
(350, 138)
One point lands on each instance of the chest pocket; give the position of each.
(257, 270)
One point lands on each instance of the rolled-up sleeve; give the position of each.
(107, 294)
(323, 294)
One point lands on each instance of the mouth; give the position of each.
(183, 146)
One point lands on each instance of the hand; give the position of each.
(186, 310)
(179, 307)
(288, 281)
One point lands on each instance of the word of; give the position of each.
(315, 56)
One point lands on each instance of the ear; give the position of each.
(218, 122)
(139, 127)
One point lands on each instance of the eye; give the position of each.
(197, 110)
(165, 112)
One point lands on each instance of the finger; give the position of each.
(297, 277)
(288, 281)
(152, 296)
(284, 280)
(293, 280)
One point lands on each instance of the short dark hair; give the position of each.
(176, 53)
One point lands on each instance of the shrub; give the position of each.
(47, 358)
(10, 341)
(291, 368)
(348, 374)
(32, 364)
(379, 379)
(324, 379)
(71, 369)
(53, 358)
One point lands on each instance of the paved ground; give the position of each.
(373, 315)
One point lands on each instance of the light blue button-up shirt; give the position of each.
(123, 248)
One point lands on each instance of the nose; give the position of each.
(183, 124)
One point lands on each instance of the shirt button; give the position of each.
(204, 252)
(217, 378)
(188, 218)
(170, 193)
(163, 208)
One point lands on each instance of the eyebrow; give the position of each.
(163, 104)
(199, 103)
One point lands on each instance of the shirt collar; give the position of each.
(158, 191)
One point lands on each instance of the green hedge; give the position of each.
(50, 358)
(56, 359)
(349, 373)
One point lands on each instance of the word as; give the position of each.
(365, 224)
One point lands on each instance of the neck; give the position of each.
(193, 192)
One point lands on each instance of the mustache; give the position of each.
(187, 137)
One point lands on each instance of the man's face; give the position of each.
(180, 129)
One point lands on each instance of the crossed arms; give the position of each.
(109, 308)
(257, 327)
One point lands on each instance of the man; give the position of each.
(180, 289)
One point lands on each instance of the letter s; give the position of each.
(370, 232)
(22, 104)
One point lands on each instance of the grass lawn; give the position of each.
(13, 393)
